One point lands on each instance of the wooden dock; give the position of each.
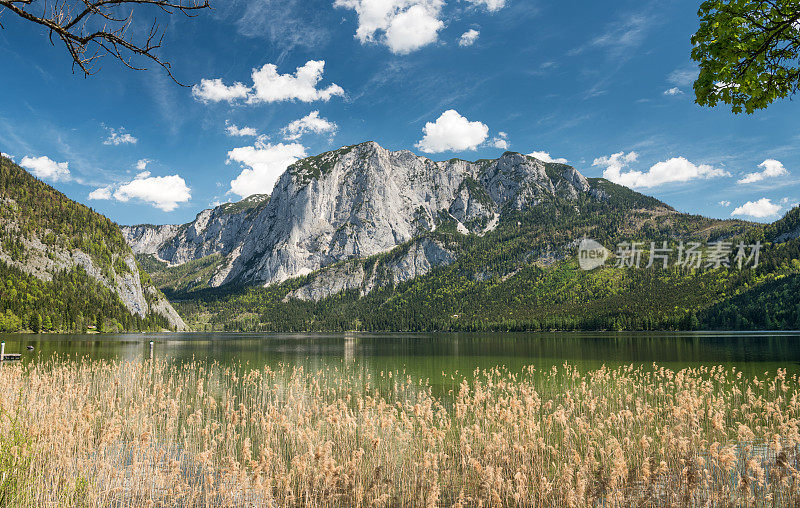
(8, 357)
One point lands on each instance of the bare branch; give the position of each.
(71, 22)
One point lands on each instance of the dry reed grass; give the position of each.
(115, 433)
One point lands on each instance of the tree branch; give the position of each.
(69, 21)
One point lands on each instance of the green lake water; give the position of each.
(428, 355)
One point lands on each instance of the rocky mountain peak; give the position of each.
(355, 202)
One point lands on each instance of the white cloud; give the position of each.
(719, 86)
(119, 137)
(45, 168)
(214, 90)
(407, 25)
(500, 141)
(620, 37)
(491, 5)
(102, 194)
(163, 192)
(270, 86)
(770, 169)
(758, 209)
(673, 91)
(235, 130)
(468, 38)
(413, 29)
(724, 203)
(263, 165)
(7, 156)
(546, 157)
(309, 123)
(452, 132)
(677, 169)
(683, 76)
(141, 164)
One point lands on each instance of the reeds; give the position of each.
(115, 433)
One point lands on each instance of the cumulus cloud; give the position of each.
(413, 29)
(546, 157)
(163, 192)
(214, 90)
(309, 123)
(7, 156)
(760, 209)
(770, 168)
(119, 137)
(262, 164)
(468, 38)
(452, 132)
(235, 130)
(673, 91)
(725, 203)
(45, 168)
(677, 169)
(102, 194)
(406, 25)
(500, 141)
(491, 5)
(270, 86)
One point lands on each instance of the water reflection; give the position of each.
(427, 355)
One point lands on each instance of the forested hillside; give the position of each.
(65, 267)
(524, 276)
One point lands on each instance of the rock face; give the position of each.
(43, 261)
(789, 235)
(408, 263)
(356, 202)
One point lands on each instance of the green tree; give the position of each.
(35, 323)
(694, 322)
(98, 326)
(748, 52)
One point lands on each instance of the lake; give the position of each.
(165, 431)
(428, 355)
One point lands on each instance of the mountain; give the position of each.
(362, 238)
(785, 229)
(356, 202)
(66, 267)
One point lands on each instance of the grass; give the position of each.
(88, 433)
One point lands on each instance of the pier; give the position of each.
(8, 357)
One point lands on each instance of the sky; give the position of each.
(603, 86)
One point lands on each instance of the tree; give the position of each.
(748, 52)
(91, 29)
(35, 323)
(99, 324)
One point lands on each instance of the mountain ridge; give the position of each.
(359, 201)
(46, 235)
(370, 239)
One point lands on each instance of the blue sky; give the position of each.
(604, 85)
